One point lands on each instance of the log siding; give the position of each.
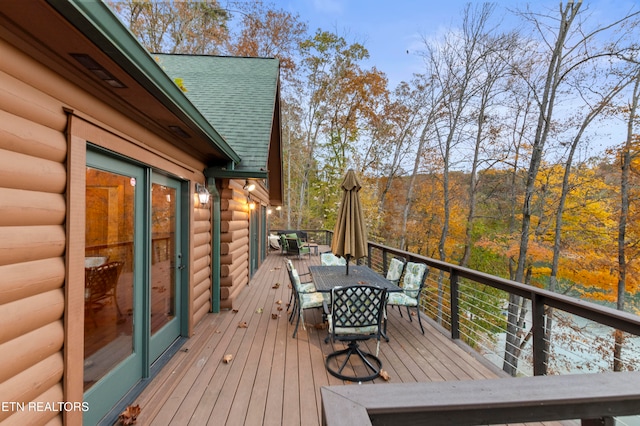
(33, 182)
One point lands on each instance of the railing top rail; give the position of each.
(614, 318)
(490, 401)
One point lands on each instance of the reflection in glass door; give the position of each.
(166, 263)
(109, 266)
(114, 273)
(163, 244)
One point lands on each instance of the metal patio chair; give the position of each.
(356, 315)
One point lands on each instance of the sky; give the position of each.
(393, 31)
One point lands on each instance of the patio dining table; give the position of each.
(327, 277)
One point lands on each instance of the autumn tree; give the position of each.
(392, 132)
(571, 49)
(265, 31)
(175, 26)
(336, 93)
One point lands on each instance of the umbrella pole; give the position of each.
(348, 256)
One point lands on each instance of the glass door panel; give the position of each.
(166, 264)
(109, 266)
(163, 259)
(114, 281)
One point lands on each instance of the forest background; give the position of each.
(492, 157)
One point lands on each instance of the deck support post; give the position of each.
(455, 309)
(538, 325)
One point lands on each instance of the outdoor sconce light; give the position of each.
(203, 194)
(252, 205)
(249, 186)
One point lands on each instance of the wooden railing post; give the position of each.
(537, 328)
(455, 314)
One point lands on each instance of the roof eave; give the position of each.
(101, 26)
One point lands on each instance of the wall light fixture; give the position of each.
(203, 194)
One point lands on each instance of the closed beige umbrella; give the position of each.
(350, 233)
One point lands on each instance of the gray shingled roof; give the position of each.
(236, 95)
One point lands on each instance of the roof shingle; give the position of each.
(237, 95)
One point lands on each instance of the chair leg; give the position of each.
(298, 318)
(384, 331)
(419, 318)
(295, 330)
(409, 314)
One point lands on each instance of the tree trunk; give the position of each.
(545, 116)
(626, 159)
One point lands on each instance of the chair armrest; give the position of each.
(325, 308)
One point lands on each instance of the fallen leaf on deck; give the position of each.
(320, 326)
(218, 331)
(279, 302)
(235, 311)
(274, 316)
(227, 358)
(279, 308)
(384, 375)
(276, 285)
(413, 313)
(289, 286)
(129, 415)
(259, 311)
(362, 282)
(243, 324)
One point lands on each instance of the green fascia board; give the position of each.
(96, 21)
(215, 172)
(238, 95)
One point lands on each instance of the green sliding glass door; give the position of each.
(133, 264)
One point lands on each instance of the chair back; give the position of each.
(414, 277)
(396, 268)
(289, 264)
(357, 310)
(330, 259)
(296, 247)
(283, 243)
(101, 280)
(292, 243)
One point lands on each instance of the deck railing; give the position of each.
(472, 307)
(559, 334)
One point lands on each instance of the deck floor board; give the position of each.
(275, 379)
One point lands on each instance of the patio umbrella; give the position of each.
(350, 233)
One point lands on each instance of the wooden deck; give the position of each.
(273, 378)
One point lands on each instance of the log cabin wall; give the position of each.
(234, 238)
(200, 301)
(42, 166)
(33, 179)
